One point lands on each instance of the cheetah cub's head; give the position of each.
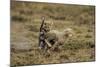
(47, 26)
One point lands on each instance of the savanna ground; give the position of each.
(25, 24)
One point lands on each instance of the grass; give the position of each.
(25, 23)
